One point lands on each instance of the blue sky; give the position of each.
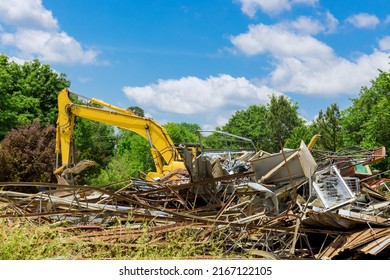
(200, 61)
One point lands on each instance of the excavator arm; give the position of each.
(165, 156)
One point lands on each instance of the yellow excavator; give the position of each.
(165, 155)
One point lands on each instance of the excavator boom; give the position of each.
(165, 155)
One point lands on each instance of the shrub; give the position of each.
(28, 154)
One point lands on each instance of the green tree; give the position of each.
(366, 122)
(301, 133)
(28, 92)
(118, 169)
(282, 119)
(13, 109)
(329, 127)
(93, 141)
(182, 132)
(39, 81)
(136, 150)
(252, 124)
(137, 111)
(266, 126)
(130, 156)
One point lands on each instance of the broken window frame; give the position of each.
(347, 196)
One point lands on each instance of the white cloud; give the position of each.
(17, 60)
(333, 77)
(28, 13)
(48, 46)
(332, 23)
(303, 64)
(363, 20)
(250, 7)
(191, 95)
(209, 102)
(307, 25)
(35, 34)
(384, 43)
(281, 42)
(222, 120)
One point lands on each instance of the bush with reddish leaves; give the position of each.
(27, 154)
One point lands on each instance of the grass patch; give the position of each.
(24, 241)
(27, 242)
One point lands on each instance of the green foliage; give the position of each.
(366, 122)
(118, 169)
(132, 154)
(94, 141)
(182, 132)
(27, 154)
(252, 124)
(137, 111)
(181, 244)
(28, 242)
(41, 82)
(329, 127)
(27, 92)
(300, 133)
(282, 118)
(266, 125)
(137, 150)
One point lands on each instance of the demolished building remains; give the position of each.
(294, 204)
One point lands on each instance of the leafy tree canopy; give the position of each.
(182, 132)
(252, 124)
(136, 150)
(94, 141)
(301, 133)
(366, 122)
(137, 111)
(328, 125)
(267, 126)
(282, 119)
(28, 92)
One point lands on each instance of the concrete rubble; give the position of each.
(295, 204)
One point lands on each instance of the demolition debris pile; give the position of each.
(295, 204)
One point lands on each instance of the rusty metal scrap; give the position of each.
(293, 204)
